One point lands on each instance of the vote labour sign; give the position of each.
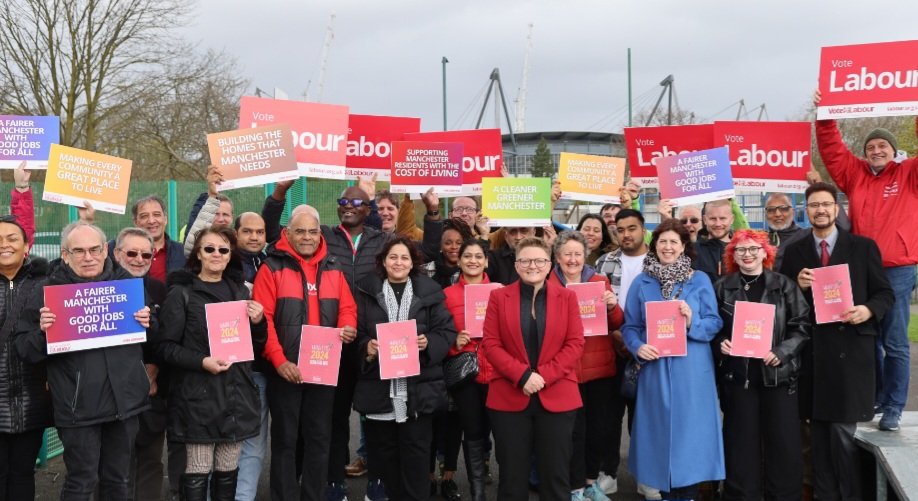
(253, 157)
(420, 165)
(94, 315)
(29, 139)
(868, 80)
(591, 178)
(482, 154)
(319, 131)
(76, 175)
(767, 156)
(696, 177)
(646, 144)
(516, 201)
(369, 145)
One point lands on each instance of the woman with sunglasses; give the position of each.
(213, 404)
(676, 440)
(759, 396)
(599, 240)
(26, 411)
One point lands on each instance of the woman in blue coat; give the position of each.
(676, 438)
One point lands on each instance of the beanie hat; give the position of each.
(881, 133)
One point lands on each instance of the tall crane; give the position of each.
(329, 36)
(521, 92)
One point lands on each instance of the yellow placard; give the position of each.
(76, 175)
(591, 178)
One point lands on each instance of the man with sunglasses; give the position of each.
(782, 229)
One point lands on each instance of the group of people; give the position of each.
(548, 400)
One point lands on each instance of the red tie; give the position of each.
(824, 252)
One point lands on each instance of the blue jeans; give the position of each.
(254, 449)
(892, 345)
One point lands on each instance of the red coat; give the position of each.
(455, 303)
(562, 347)
(598, 360)
(881, 207)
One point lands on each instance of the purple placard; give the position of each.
(27, 138)
(94, 315)
(696, 177)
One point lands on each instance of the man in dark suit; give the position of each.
(837, 384)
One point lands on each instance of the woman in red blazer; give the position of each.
(533, 339)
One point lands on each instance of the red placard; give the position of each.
(753, 329)
(767, 156)
(592, 307)
(398, 349)
(319, 131)
(228, 331)
(419, 165)
(482, 154)
(832, 294)
(320, 355)
(476, 304)
(369, 143)
(644, 144)
(666, 328)
(868, 80)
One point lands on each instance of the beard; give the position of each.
(787, 224)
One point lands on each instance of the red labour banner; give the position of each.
(767, 156)
(369, 143)
(868, 80)
(644, 144)
(483, 154)
(319, 131)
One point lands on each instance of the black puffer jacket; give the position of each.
(203, 407)
(426, 391)
(791, 331)
(25, 403)
(90, 386)
(355, 265)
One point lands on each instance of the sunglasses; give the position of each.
(210, 249)
(133, 254)
(353, 202)
(687, 220)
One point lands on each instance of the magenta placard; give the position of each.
(592, 308)
(398, 349)
(832, 294)
(476, 304)
(229, 332)
(320, 355)
(666, 328)
(753, 329)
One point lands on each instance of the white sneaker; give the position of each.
(607, 483)
(649, 493)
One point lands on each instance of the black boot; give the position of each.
(475, 467)
(223, 485)
(193, 487)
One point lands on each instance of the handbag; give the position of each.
(630, 378)
(461, 368)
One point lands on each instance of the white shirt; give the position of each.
(631, 268)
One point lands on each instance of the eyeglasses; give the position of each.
(133, 254)
(774, 208)
(81, 253)
(353, 202)
(687, 220)
(210, 249)
(752, 251)
(465, 210)
(817, 205)
(538, 263)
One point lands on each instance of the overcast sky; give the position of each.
(385, 56)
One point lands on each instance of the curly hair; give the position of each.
(759, 237)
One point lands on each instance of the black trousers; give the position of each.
(299, 410)
(836, 463)
(470, 401)
(592, 431)
(447, 438)
(18, 452)
(761, 428)
(98, 454)
(341, 415)
(517, 435)
(399, 453)
(147, 465)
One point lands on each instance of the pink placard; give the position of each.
(476, 304)
(832, 294)
(753, 329)
(398, 349)
(592, 308)
(666, 328)
(320, 355)
(228, 331)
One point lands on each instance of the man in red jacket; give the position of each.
(300, 284)
(882, 200)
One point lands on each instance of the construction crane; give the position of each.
(521, 92)
(329, 36)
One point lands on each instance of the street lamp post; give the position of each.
(443, 62)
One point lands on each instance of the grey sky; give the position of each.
(385, 58)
